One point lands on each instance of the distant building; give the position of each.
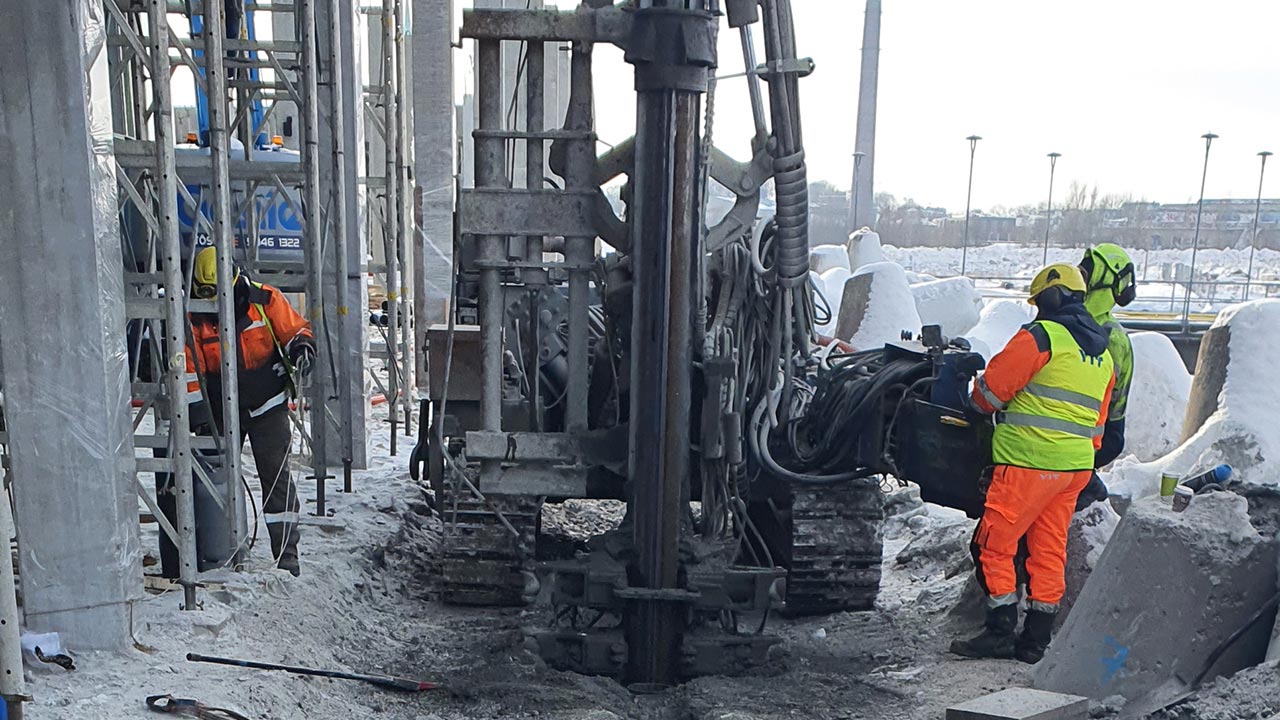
(983, 229)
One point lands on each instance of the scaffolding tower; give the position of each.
(390, 203)
(231, 184)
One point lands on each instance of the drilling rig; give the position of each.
(642, 353)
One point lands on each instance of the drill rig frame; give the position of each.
(670, 370)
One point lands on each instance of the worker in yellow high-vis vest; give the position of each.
(1049, 390)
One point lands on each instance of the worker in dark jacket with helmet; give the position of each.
(276, 348)
(1049, 390)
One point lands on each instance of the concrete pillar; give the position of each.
(1211, 375)
(431, 61)
(62, 314)
(865, 143)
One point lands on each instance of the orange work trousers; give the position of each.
(1037, 504)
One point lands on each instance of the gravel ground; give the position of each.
(367, 602)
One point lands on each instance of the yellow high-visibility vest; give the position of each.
(1051, 423)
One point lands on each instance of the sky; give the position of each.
(1122, 88)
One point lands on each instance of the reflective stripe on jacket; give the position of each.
(1052, 398)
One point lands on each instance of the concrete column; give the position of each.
(865, 143)
(62, 314)
(356, 342)
(435, 161)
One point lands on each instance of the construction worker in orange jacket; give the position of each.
(1049, 390)
(276, 349)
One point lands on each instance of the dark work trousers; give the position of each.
(270, 438)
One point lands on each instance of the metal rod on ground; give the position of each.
(224, 241)
(1195, 238)
(13, 686)
(1048, 210)
(175, 307)
(313, 243)
(346, 410)
(1257, 213)
(391, 246)
(968, 203)
(387, 681)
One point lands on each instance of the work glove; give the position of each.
(302, 355)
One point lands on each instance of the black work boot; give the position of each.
(284, 546)
(996, 639)
(1037, 628)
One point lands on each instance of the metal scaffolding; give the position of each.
(390, 199)
(232, 185)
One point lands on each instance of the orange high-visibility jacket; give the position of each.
(267, 329)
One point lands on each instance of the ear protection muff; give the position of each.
(1086, 269)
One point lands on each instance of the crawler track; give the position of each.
(482, 562)
(837, 541)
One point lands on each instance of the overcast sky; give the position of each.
(1122, 88)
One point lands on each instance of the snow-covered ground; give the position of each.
(1243, 431)
(1011, 267)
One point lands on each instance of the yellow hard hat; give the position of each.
(1063, 275)
(205, 272)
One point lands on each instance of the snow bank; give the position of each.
(1243, 431)
(825, 257)
(999, 321)
(953, 303)
(889, 307)
(1157, 398)
(863, 248)
(831, 283)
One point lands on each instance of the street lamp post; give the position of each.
(1257, 213)
(1195, 238)
(964, 252)
(857, 167)
(1048, 212)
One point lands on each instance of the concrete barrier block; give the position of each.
(1167, 590)
(1022, 704)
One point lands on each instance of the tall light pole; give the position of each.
(968, 202)
(857, 176)
(1195, 238)
(1257, 213)
(1048, 211)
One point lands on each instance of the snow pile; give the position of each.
(1157, 398)
(890, 307)
(999, 321)
(1242, 432)
(863, 248)
(953, 303)
(831, 283)
(825, 257)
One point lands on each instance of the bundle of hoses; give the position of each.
(819, 442)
